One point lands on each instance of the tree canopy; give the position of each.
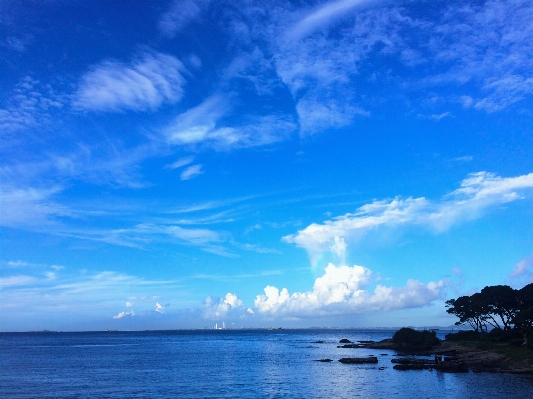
(498, 306)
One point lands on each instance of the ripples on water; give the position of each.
(223, 364)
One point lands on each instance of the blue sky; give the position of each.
(176, 164)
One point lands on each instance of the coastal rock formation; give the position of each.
(345, 341)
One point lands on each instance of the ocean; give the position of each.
(224, 364)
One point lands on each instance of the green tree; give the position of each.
(524, 318)
(501, 301)
(469, 309)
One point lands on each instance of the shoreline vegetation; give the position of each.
(422, 350)
(501, 339)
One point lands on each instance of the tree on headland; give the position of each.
(500, 300)
(500, 307)
(468, 310)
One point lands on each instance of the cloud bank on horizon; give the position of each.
(181, 164)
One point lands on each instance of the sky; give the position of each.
(180, 164)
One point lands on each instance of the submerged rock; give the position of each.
(357, 360)
(324, 360)
(351, 346)
(345, 341)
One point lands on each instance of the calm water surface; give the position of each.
(223, 364)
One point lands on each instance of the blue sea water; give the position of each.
(224, 364)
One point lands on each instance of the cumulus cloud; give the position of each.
(144, 85)
(341, 290)
(191, 171)
(159, 308)
(214, 307)
(476, 194)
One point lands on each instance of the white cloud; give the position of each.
(476, 194)
(522, 272)
(30, 207)
(316, 114)
(129, 304)
(180, 14)
(505, 91)
(15, 281)
(435, 117)
(18, 263)
(31, 104)
(204, 125)
(159, 308)
(323, 15)
(123, 314)
(199, 237)
(191, 171)
(464, 158)
(180, 162)
(341, 291)
(146, 84)
(214, 307)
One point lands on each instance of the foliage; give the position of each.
(500, 307)
(465, 336)
(407, 337)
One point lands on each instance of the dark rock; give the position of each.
(324, 360)
(345, 341)
(404, 367)
(351, 346)
(366, 342)
(357, 360)
(427, 364)
(413, 361)
(318, 342)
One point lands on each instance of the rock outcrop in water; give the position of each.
(455, 358)
(358, 360)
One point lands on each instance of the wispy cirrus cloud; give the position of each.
(191, 171)
(180, 14)
(323, 15)
(476, 194)
(31, 207)
(205, 125)
(147, 83)
(180, 163)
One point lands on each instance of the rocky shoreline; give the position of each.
(447, 357)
